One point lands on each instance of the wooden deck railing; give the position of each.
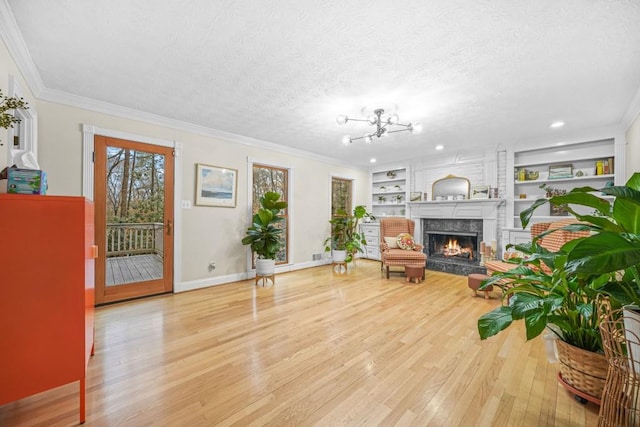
(134, 239)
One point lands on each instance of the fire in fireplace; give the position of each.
(454, 249)
(452, 245)
(448, 245)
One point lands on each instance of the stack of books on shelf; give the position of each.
(604, 166)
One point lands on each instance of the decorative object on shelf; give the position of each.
(415, 196)
(532, 175)
(391, 174)
(560, 171)
(522, 195)
(381, 199)
(216, 186)
(425, 196)
(399, 198)
(383, 189)
(494, 193)
(480, 192)
(551, 191)
(383, 119)
(450, 185)
(397, 188)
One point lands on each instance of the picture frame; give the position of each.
(216, 186)
(480, 191)
(415, 196)
(561, 171)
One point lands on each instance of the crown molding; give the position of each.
(90, 104)
(12, 38)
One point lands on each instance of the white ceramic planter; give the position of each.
(338, 256)
(265, 267)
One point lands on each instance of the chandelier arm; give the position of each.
(399, 130)
(360, 137)
(357, 120)
(400, 124)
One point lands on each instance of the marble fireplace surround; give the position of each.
(484, 209)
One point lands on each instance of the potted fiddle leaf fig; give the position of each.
(345, 239)
(264, 236)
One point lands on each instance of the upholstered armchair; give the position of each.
(552, 242)
(390, 254)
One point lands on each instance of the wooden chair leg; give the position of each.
(387, 271)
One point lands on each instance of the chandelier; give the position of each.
(383, 125)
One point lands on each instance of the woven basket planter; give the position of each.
(584, 370)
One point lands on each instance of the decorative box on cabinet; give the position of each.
(47, 288)
(372, 235)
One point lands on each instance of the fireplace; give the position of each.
(452, 245)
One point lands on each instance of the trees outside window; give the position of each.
(341, 191)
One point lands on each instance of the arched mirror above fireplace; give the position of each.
(450, 187)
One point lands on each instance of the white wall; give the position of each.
(633, 147)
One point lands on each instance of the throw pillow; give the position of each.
(405, 241)
(391, 242)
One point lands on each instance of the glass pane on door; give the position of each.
(134, 216)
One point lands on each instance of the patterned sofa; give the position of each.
(552, 242)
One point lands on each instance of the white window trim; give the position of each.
(251, 161)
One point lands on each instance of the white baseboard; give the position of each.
(238, 277)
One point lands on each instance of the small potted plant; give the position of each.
(264, 236)
(8, 103)
(381, 199)
(345, 240)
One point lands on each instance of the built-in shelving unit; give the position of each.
(560, 168)
(389, 192)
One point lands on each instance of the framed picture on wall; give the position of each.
(415, 196)
(480, 192)
(216, 186)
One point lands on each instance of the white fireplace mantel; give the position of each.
(484, 209)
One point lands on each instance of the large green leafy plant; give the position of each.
(345, 235)
(613, 248)
(565, 302)
(264, 236)
(606, 263)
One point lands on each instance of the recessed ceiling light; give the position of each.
(439, 147)
(556, 125)
(373, 160)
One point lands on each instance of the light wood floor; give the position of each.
(318, 348)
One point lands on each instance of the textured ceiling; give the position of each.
(473, 72)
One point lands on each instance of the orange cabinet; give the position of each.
(46, 294)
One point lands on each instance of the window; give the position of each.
(270, 178)
(340, 195)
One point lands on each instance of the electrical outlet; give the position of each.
(212, 266)
(186, 204)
